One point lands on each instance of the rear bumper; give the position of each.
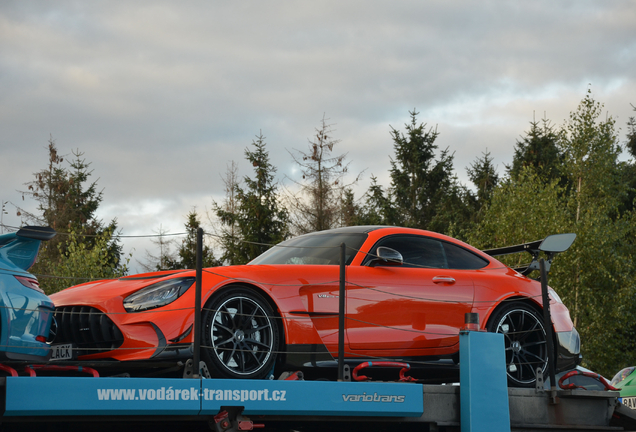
(25, 315)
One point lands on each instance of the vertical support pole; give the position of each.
(547, 322)
(341, 313)
(197, 307)
(483, 390)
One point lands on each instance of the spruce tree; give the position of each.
(259, 218)
(538, 148)
(67, 202)
(484, 176)
(421, 183)
(187, 251)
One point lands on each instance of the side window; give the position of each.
(416, 251)
(462, 259)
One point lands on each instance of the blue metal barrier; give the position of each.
(483, 382)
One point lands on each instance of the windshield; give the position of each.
(316, 248)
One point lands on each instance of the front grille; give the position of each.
(89, 329)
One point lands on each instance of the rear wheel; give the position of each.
(240, 335)
(524, 340)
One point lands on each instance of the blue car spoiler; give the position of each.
(18, 250)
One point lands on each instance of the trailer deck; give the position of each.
(481, 401)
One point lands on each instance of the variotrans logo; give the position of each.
(364, 397)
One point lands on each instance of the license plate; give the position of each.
(630, 402)
(62, 352)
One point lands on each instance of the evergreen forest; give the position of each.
(578, 176)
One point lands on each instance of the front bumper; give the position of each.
(568, 349)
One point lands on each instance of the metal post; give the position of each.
(197, 307)
(547, 320)
(341, 313)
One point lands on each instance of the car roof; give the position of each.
(358, 229)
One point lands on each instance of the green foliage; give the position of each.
(67, 202)
(377, 209)
(595, 277)
(425, 192)
(600, 283)
(629, 169)
(522, 209)
(484, 176)
(538, 149)
(258, 218)
(187, 253)
(78, 263)
(631, 135)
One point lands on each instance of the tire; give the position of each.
(240, 336)
(524, 339)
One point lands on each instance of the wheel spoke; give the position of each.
(257, 329)
(224, 342)
(531, 344)
(228, 354)
(243, 363)
(538, 357)
(249, 349)
(222, 327)
(255, 342)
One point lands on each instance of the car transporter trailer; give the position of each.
(481, 402)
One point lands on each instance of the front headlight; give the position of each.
(157, 295)
(554, 295)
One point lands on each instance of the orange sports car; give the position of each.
(407, 291)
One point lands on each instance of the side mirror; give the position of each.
(557, 243)
(386, 256)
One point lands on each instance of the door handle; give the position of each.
(443, 279)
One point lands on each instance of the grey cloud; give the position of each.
(161, 95)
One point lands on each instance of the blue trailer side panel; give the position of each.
(314, 398)
(82, 396)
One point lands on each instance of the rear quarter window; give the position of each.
(461, 259)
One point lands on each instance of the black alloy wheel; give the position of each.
(524, 340)
(240, 335)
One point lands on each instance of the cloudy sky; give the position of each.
(160, 96)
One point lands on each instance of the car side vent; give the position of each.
(88, 328)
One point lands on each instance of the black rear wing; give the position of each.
(551, 245)
(36, 233)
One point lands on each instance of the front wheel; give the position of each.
(240, 335)
(525, 342)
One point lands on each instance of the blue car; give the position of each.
(25, 311)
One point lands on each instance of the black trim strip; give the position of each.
(313, 313)
(181, 337)
(161, 345)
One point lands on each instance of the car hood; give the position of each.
(280, 277)
(102, 290)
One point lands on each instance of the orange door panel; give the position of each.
(398, 308)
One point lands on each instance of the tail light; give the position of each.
(29, 283)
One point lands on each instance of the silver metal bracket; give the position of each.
(346, 373)
(539, 384)
(188, 370)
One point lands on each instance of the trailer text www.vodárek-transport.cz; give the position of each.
(192, 393)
